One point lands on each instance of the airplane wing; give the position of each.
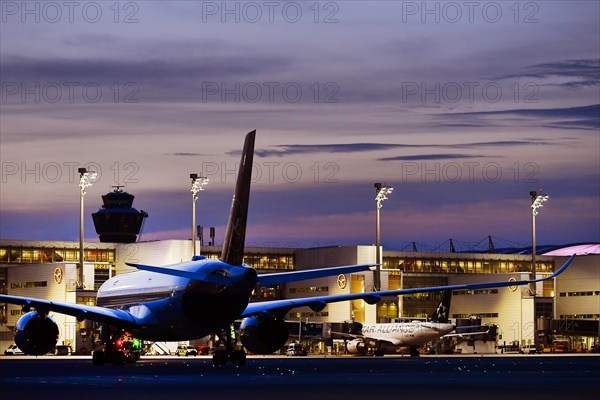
(466, 334)
(341, 335)
(125, 319)
(263, 279)
(319, 303)
(284, 277)
(79, 311)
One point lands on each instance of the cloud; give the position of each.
(187, 154)
(581, 73)
(284, 150)
(590, 124)
(146, 79)
(431, 157)
(582, 117)
(289, 149)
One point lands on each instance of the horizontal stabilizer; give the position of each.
(197, 276)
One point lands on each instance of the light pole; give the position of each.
(536, 203)
(85, 180)
(382, 192)
(198, 183)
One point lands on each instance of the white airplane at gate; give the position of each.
(193, 299)
(401, 334)
(393, 336)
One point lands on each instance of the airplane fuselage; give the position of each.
(175, 308)
(407, 333)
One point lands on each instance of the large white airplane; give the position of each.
(384, 337)
(391, 336)
(193, 299)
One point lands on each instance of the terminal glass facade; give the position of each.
(453, 265)
(421, 305)
(44, 254)
(282, 262)
(101, 274)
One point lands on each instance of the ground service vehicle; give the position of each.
(63, 350)
(296, 349)
(529, 349)
(561, 345)
(186, 350)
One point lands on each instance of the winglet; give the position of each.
(235, 236)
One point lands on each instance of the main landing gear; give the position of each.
(230, 351)
(414, 351)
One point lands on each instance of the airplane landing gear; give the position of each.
(229, 352)
(414, 351)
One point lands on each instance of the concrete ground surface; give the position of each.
(313, 377)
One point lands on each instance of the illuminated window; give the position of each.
(86, 300)
(394, 282)
(311, 289)
(312, 314)
(23, 285)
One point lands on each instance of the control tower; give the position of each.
(117, 221)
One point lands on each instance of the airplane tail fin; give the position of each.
(235, 235)
(442, 312)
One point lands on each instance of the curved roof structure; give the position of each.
(579, 249)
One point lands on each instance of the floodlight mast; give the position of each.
(85, 180)
(198, 183)
(381, 195)
(537, 201)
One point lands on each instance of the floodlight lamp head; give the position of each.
(86, 178)
(382, 194)
(538, 203)
(198, 184)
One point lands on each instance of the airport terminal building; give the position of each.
(568, 306)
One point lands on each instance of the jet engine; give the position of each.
(356, 346)
(263, 334)
(36, 334)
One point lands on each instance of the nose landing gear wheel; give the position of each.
(222, 355)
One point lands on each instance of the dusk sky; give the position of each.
(462, 107)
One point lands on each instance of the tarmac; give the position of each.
(314, 377)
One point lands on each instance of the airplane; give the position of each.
(196, 298)
(384, 337)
